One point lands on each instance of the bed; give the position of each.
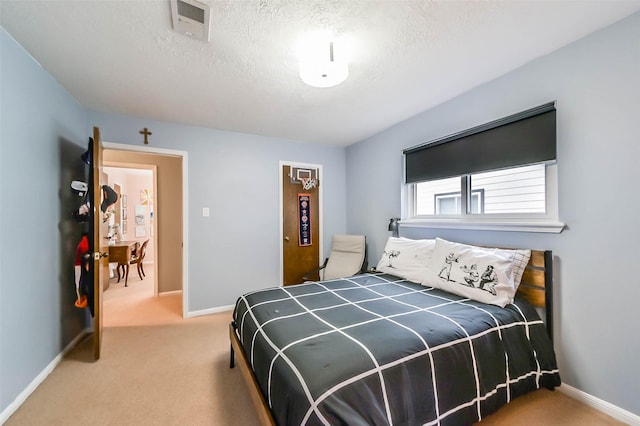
(380, 349)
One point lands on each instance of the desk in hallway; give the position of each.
(120, 253)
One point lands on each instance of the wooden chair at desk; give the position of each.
(137, 257)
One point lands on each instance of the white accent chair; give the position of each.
(347, 258)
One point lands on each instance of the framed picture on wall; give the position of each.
(124, 226)
(140, 231)
(123, 199)
(140, 214)
(124, 214)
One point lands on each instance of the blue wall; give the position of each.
(237, 248)
(596, 82)
(42, 135)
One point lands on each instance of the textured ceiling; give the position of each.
(124, 57)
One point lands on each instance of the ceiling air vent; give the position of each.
(191, 17)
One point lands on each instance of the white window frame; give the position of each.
(547, 222)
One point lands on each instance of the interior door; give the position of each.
(100, 247)
(299, 256)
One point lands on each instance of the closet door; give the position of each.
(300, 247)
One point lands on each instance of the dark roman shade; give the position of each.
(528, 137)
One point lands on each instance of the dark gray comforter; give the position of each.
(378, 350)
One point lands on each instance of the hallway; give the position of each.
(136, 305)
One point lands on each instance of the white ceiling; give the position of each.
(124, 57)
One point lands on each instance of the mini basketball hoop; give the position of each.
(308, 183)
(307, 177)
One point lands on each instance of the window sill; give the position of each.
(485, 225)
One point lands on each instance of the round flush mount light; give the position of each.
(323, 73)
(323, 60)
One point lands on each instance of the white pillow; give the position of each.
(520, 260)
(478, 273)
(406, 258)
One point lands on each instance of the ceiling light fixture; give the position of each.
(323, 60)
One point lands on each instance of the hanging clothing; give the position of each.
(81, 269)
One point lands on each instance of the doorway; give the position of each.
(163, 222)
(132, 289)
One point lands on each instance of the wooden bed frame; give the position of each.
(535, 287)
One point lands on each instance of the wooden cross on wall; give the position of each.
(146, 133)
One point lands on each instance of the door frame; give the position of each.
(281, 165)
(185, 212)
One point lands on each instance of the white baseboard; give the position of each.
(209, 311)
(600, 405)
(22, 397)
(169, 293)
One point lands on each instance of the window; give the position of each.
(501, 175)
(448, 203)
(511, 191)
(431, 200)
(519, 199)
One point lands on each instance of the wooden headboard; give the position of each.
(537, 284)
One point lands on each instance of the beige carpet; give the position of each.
(546, 407)
(156, 369)
(136, 305)
(160, 369)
